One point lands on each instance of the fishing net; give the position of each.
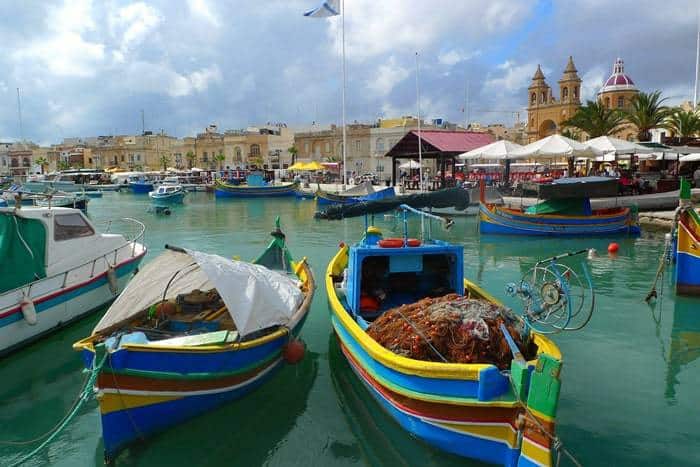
(451, 328)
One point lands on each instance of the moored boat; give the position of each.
(64, 200)
(687, 245)
(193, 331)
(56, 268)
(364, 192)
(474, 410)
(167, 194)
(140, 184)
(256, 187)
(565, 211)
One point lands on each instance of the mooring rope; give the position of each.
(83, 396)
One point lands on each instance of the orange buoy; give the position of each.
(613, 247)
(293, 351)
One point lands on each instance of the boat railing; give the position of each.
(113, 255)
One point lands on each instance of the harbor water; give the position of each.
(630, 378)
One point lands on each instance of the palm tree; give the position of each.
(220, 158)
(164, 161)
(190, 158)
(647, 113)
(683, 123)
(293, 151)
(596, 119)
(42, 162)
(63, 165)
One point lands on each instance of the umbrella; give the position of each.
(196, 169)
(313, 165)
(500, 150)
(297, 166)
(411, 164)
(552, 147)
(610, 145)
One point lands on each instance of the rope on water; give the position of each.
(84, 395)
(557, 444)
(663, 260)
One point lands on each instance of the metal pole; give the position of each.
(345, 140)
(420, 150)
(697, 65)
(19, 112)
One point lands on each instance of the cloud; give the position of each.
(387, 76)
(453, 57)
(514, 78)
(160, 78)
(133, 23)
(592, 81)
(202, 10)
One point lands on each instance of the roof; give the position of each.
(618, 81)
(454, 141)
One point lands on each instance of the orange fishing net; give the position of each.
(450, 328)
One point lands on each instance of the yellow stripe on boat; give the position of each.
(114, 402)
(500, 432)
(536, 453)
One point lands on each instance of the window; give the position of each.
(358, 145)
(14, 163)
(565, 94)
(620, 102)
(205, 157)
(238, 152)
(533, 98)
(69, 226)
(122, 157)
(306, 148)
(607, 102)
(138, 157)
(327, 147)
(544, 97)
(380, 144)
(25, 162)
(255, 150)
(576, 92)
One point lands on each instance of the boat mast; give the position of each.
(697, 65)
(420, 150)
(19, 113)
(345, 142)
(466, 106)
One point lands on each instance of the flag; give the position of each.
(326, 9)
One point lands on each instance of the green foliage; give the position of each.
(220, 158)
(191, 157)
(164, 161)
(63, 165)
(596, 120)
(683, 123)
(647, 113)
(42, 162)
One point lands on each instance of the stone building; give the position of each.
(327, 146)
(617, 93)
(545, 113)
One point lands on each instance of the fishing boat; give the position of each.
(364, 192)
(687, 245)
(256, 187)
(140, 184)
(564, 211)
(63, 200)
(167, 194)
(56, 268)
(192, 331)
(475, 410)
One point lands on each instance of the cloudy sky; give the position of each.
(87, 68)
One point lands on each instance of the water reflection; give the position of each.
(684, 347)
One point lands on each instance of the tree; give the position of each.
(220, 158)
(293, 151)
(647, 113)
(596, 119)
(164, 162)
(683, 123)
(42, 162)
(190, 158)
(63, 165)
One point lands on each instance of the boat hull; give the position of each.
(141, 187)
(467, 410)
(176, 198)
(688, 254)
(223, 190)
(495, 220)
(57, 306)
(326, 199)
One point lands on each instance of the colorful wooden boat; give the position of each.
(56, 268)
(327, 198)
(225, 190)
(184, 338)
(495, 219)
(472, 410)
(687, 246)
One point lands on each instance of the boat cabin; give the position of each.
(168, 189)
(38, 242)
(385, 273)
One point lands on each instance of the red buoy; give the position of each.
(613, 247)
(293, 352)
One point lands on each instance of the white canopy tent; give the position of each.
(610, 145)
(553, 147)
(690, 158)
(499, 150)
(411, 164)
(256, 297)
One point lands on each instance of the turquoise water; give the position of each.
(630, 379)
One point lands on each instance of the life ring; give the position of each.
(398, 242)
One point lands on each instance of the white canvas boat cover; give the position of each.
(255, 296)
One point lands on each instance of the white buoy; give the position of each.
(28, 310)
(112, 280)
(592, 253)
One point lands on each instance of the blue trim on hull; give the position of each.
(687, 270)
(498, 229)
(118, 427)
(260, 194)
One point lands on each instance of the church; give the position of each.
(545, 113)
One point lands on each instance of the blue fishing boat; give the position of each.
(565, 211)
(687, 245)
(468, 407)
(355, 195)
(140, 184)
(255, 187)
(168, 194)
(193, 331)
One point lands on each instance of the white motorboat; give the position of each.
(56, 267)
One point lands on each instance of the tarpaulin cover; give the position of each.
(22, 251)
(255, 296)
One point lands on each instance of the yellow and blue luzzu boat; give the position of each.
(687, 245)
(191, 332)
(472, 410)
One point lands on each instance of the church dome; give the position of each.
(618, 81)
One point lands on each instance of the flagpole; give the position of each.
(420, 150)
(345, 141)
(697, 65)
